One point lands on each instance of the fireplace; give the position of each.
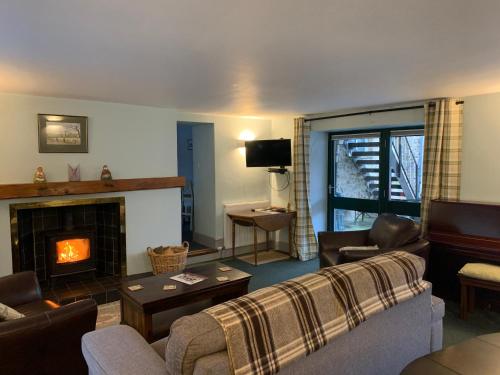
(70, 252)
(58, 239)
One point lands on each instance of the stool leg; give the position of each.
(463, 301)
(471, 299)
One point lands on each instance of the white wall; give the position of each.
(130, 139)
(282, 127)
(370, 121)
(318, 159)
(233, 181)
(135, 141)
(480, 149)
(204, 180)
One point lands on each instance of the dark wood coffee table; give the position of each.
(138, 308)
(479, 355)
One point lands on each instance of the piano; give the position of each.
(459, 233)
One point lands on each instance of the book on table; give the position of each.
(188, 278)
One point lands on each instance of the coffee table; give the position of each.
(479, 355)
(138, 308)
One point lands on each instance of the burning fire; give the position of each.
(74, 250)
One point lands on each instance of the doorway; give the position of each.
(196, 162)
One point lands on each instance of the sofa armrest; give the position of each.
(120, 350)
(19, 289)
(329, 241)
(438, 311)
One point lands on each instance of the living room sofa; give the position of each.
(48, 339)
(384, 344)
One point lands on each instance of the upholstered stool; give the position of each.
(476, 275)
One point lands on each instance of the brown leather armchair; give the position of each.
(48, 339)
(389, 232)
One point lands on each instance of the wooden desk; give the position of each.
(268, 221)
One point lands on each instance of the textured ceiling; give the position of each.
(251, 57)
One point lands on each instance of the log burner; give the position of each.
(71, 250)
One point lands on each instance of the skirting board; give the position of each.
(227, 253)
(207, 241)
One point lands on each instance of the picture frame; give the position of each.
(62, 134)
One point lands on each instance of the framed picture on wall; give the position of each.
(62, 134)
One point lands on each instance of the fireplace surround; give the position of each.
(64, 238)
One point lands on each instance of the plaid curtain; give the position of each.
(306, 246)
(442, 154)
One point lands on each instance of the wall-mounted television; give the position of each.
(269, 153)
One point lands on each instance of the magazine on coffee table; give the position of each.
(188, 278)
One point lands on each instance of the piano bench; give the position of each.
(476, 275)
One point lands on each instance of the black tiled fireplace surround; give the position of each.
(104, 219)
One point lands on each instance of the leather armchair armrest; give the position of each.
(51, 340)
(19, 289)
(355, 255)
(335, 240)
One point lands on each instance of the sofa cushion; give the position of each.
(360, 248)
(192, 337)
(8, 313)
(390, 231)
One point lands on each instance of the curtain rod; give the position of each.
(373, 111)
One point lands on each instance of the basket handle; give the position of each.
(149, 250)
(185, 244)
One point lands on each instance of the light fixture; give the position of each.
(245, 135)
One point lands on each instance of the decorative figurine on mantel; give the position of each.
(39, 177)
(106, 174)
(73, 173)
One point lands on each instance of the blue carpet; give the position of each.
(455, 330)
(275, 272)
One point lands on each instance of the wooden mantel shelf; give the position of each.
(48, 189)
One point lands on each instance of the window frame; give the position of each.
(381, 205)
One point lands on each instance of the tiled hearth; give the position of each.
(103, 289)
(33, 223)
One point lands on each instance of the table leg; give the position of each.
(267, 241)
(290, 252)
(471, 299)
(463, 301)
(255, 243)
(122, 312)
(138, 319)
(234, 237)
(146, 323)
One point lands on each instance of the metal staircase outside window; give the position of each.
(404, 167)
(371, 172)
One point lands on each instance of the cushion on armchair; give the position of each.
(361, 248)
(390, 231)
(8, 313)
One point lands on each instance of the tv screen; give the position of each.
(269, 153)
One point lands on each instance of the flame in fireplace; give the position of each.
(73, 250)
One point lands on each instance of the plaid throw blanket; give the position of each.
(271, 327)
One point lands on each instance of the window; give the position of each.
(374, 172)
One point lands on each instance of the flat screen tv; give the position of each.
(269, 153)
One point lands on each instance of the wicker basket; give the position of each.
(168, 258)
